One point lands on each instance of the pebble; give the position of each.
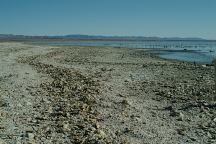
(66, 127)
(97, 125)
(175, 113)
(31, 136)
(50, 110)
(126, 102)
(127, 80)
(19, 105)
(3, 104)
(3, 114)
(154, 114)
(209, 135)
(181, 131)
(181, 117)
(101, 134)
(28, 103)
(127, 130)
(29, 130)
(2, 141)
(103, 69)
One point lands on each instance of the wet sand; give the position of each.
(102, 95)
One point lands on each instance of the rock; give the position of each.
(101, 134)
(30, 136)
(126, 102)
(50, 110)
(181, 131)
(193, 139)
(2, 141)
(29, 130)
(175, 113)
(68, 114)
(214, 120)
(47, 130)
(138, 119)
(28, 103)
(120, 95)
(127, 80)
(103, 69)
(153, 113)
(19, 105)
(66, 127)
(169, 108)
(181, 117)
(118, 133)
(3, 114)
(3, 104)
(209, 135)
(97, 126)
(127, 130)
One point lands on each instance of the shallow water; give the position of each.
(189, 56)
(191, 51)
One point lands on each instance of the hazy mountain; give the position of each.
(91, 37)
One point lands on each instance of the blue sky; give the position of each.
(164, 18)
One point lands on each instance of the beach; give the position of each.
(77, 94)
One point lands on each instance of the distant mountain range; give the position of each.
(91, 37)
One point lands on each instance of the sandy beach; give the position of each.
(99, 95)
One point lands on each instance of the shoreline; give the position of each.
(108, 95)
(147, 49)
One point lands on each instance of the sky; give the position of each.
(163, 18)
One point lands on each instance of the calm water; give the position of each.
(191, 51)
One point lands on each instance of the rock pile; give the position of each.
(69, 113)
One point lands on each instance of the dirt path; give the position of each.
(102, 95)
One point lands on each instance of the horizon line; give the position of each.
(99, 35)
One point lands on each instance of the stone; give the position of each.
(181, 131)
(2, 141)
(103, 69)
(126, 102)
(29, 130)
(181, 117)
(66, 127)
(31, 136)
(127, 130)
(19, 105)
(28, 103)
(101, 134)
(127, 80)
(120, 95)
(3, 114)
(50, 110)
(97, 125)
(209, 135)
(118, 133)
(174, 113)
(138, 119)
(3, 104)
